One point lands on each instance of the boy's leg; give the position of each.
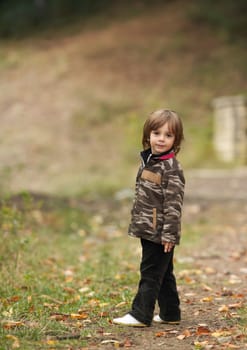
(153, 268)
(168, 298)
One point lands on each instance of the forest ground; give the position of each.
(213, 288)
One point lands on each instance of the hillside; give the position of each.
(72, 106)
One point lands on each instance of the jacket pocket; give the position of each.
(151, 176)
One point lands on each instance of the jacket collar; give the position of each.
(146, 155)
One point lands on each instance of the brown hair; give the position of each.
(159, 118)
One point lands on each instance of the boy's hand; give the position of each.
(168, 246)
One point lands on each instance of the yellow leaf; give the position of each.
(8, 313)
(16, 343)
(119, 276)
(51, 342)
(200, 344)
(122, 303)
(181, 336)
(207, 299)
(223, 308)
(103, 304)
(81, 316)
(210, 271)
(221, 333)
(93, 302)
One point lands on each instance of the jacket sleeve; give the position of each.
(173, 193)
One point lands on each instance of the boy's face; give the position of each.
(161, 139)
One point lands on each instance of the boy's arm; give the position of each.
(173, 192)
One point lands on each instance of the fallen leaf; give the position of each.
(59, 316)
(12, 324)
(50, 306)
(110, 341)
(187, 333)
(206, 288)
(104, 314)
(173, 331)
(8, 313)
(181, 336)
(221, 333)
(123, 303)
(93, 302)
(207, 299)
(210, 270)
(51, 342)
(103, 304)
(235, 306)
(13, 299)
(200, 344)
(239, 295)
(160, 334)
(84, 289)
(226, 293)
(16, 343)
(127, 343)
(243, 270)
(74, 299)
(234, 279)
(224, 340)
(223, 308)
(52, 299)
(203, 330)
(232, 346)
(69, 290)
(81, 316)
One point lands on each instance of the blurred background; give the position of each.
(78, 79)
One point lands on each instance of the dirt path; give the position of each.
(213, 282)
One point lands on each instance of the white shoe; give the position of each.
(157, 319)
(128, 320)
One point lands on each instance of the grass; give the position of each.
(67, 273)
(56, 264)
(69, 268)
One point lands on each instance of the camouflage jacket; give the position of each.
(159, 191)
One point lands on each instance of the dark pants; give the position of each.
(157, 282)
